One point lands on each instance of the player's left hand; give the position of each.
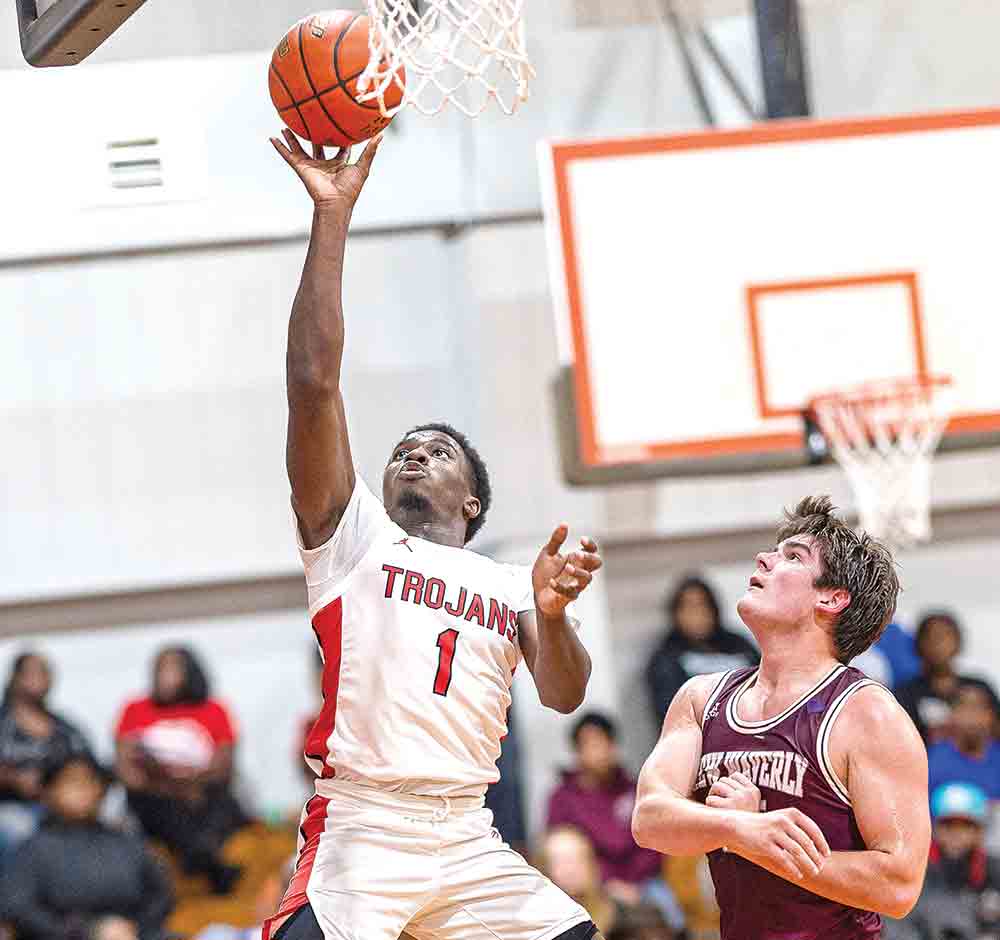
(558, 578)
(737, 791)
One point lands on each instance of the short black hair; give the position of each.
(928, 619)
(56, 763)
(594, 720)
(980, 685)
(638, 921)
(481, 478)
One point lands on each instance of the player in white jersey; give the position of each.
(420, 639)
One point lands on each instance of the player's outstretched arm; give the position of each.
(318, 455)
(559, 662)
(666, 819)
(886, 779)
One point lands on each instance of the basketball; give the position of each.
(313, 80)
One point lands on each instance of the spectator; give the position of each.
(695, 643)
(928, 697)
(505, 798)
(30, 737)
(597, 797)
(76, 879)
(642, 922)
(900, 652)
(971, 754)
(175, 756)
(961, 895)
(567, 858)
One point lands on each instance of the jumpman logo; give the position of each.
(405, 542)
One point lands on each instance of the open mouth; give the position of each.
(756, 582)
(411, 470)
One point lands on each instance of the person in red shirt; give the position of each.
(175, 756)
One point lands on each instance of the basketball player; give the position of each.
(420, 640)
(804, 781)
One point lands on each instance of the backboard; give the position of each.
(708, 285)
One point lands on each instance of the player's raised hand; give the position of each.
(785, 841)
(560, 578)
(736, 791)
(335, 182)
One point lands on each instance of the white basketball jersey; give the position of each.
(420, 643)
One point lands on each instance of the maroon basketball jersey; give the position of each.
(786, 757)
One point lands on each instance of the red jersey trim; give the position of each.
(313, 825)
(328, 627)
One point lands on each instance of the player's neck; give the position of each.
(792, 664)
(439, 531)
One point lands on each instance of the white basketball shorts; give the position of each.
(373, 864)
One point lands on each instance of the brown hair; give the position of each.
(853, 561)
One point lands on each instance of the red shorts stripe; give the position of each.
(295, 896)
(328, 626)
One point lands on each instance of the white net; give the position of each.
(461, 52)
(884, 436)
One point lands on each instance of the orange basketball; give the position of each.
(313, 80)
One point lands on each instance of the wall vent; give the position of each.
(135, 164)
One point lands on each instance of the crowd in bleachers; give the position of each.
(158, 845)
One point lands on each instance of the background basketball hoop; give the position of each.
(460, 52)
(883, 435)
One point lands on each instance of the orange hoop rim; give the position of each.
(880, 392)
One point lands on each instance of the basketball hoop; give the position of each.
(883, 435)
(460, 52)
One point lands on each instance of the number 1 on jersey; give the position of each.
(447, 640)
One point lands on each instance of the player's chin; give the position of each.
(750, 605)
(416, 495)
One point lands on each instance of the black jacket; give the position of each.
(678, 658)
(960, 901)
(21, 750)
(65, 877)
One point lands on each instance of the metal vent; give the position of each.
(135, 164)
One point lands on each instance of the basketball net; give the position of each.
(460, 52)
(883, 435)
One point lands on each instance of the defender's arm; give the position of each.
(666, 819)
(318, 454)
(886, 778)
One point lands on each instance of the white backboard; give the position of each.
(709, 284)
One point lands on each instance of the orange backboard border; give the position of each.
(563, 153)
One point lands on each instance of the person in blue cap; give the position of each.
(961, 896)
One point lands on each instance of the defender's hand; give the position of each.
(785, 841)
(559, 579)
(333, 182)
(734, 792)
